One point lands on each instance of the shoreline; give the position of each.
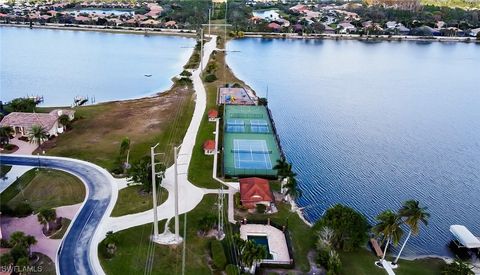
(107, 29)
(372, 38)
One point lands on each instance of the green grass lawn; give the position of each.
(44, 188)
(361, 262)
(133, 245)
(59, 234)
(132, 200)
(302, 236)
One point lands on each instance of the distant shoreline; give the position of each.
(363, 37)
(94, 28)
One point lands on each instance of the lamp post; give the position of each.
(154, 189)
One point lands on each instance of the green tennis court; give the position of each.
(250, 147)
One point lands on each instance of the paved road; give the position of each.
(78, 251)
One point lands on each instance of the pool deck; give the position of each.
(276, 239)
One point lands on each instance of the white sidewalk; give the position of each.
(189, 195)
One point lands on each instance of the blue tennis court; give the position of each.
(235, 126)
(259, 126)
(251, 154)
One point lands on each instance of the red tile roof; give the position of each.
(27, 120)
(209, 145)
(274, 26)
(212, 113)
(253, 190)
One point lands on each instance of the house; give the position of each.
(150, 23)
(212, 115)
(474, 32)
(23, 122)
(299, 8)
(170, 24)
(82, 19)
(274, 27)
(346, 27)
(209, 147)
(328, 30)
(255, 191)
(391, 24)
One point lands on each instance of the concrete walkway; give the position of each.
(189, 195)
(30, 226)
(24, 147)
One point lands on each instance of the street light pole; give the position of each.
(209, 17)
(175, 168)
(201, 50)
(154, 192)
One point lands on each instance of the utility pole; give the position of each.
(201, 50)
(209, 17)
(154, 189)
(220, 233)
(175, 167)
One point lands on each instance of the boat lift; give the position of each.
(464, 238)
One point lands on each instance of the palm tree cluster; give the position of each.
(327, 255)
(250, 253)
(285, 172)
(20, 250)
(46, 216)
(389, 226)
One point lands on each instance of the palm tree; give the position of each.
(64, 120)
(413, 214)
(292, 188)
(389, 227)
(45, 216)
(37, 134)
(5, 132)
(125, 148)
(281, 168)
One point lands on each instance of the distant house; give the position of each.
(391, 24)
(150, 23)
(274, 26)
(299, 8)
(346, 27)
(328, 29)
(170, 24)
(212, 115)
(82, 19)
(255, 191)
(209, 147)
(474, 32)
(23, 122)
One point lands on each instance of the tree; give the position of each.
(414, 215)
(141, 172)
(22, 264)
(6, 259)
(125, 148)
(26, 105)
(281, 167)
(389, 228)
(350, 228)
(37, 135)
(292, 189)
(64, 120)
(478, 35)
(458, 267)
(45, 216)
(206, 223)
(5, 133)
(250, 252)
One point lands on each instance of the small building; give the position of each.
(346, 27)
(209, 147)
(274, 27)
(255, 191)
(212, 115)
(23, 122)
(170, 24)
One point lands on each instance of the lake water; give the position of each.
(371, 125)
(62, 64)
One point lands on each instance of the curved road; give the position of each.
(79, 246)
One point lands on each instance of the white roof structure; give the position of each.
(464, 236)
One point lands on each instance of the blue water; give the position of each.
(63, 64)
(371, 125)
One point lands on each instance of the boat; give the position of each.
(79, 100)
(148, 75)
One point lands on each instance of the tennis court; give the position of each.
(250, 146)
(251, 154)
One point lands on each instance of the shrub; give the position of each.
(232, 269)
(6, 210)
(261, 208)
(186, 73)
(211, 67)
(22, 210)
(218, 255)
(210, 78)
